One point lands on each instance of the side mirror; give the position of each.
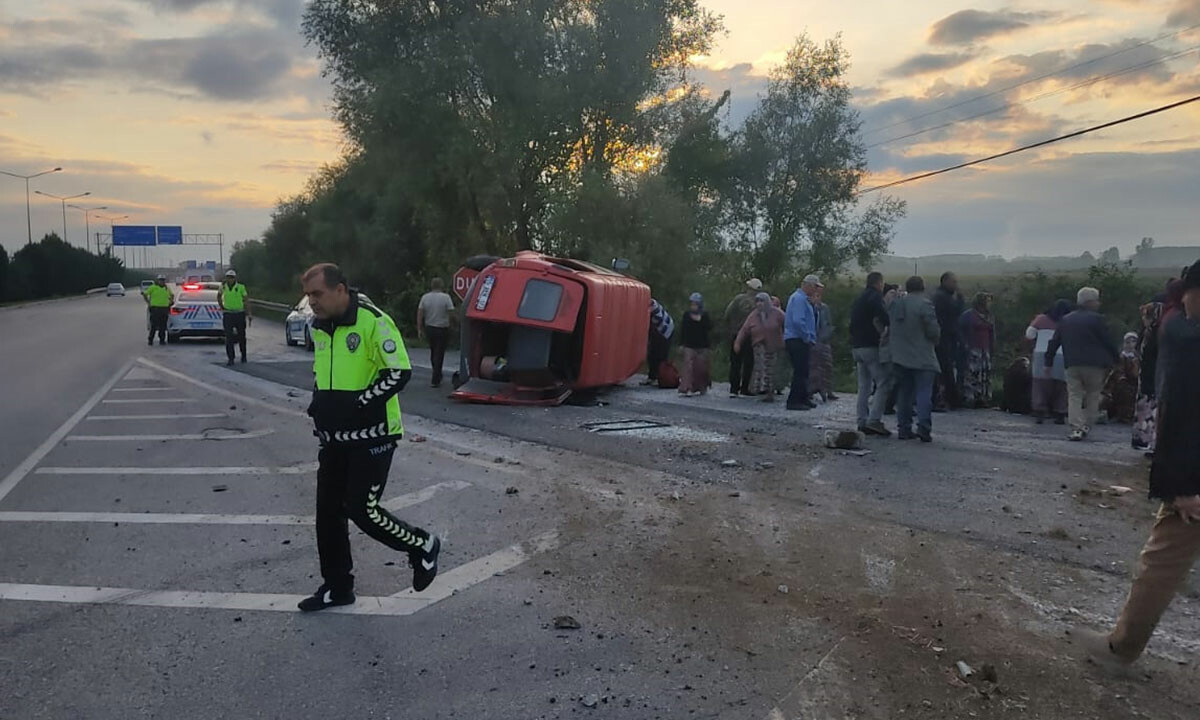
(620, 265)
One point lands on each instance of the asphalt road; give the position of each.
(155, 520)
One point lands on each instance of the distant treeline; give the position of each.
(52, 268)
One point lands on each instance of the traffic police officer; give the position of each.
(159, 298)
(234, 313)
(360, 365)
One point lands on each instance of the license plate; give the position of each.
(485, 292)
(202, 325)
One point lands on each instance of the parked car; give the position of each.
(537, 329)
(297, 327)
(146, 284)
(114, 289)
(195, 313)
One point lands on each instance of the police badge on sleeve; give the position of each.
(353, 340)
(389, 346)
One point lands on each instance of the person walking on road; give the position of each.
(949, 304)
(1174, 542)
(800, 334)
(868, 317)
(235, 314)
(360, 365)
(741, 365)
(820, 359)
(1049, 394)
(433, 322)
(764, 331)
(696, 337)
(1088, 353)
(913, 335)
(977, 333)
(158, 298)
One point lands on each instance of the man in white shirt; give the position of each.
(433, 321)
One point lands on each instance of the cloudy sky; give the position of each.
(205, 112)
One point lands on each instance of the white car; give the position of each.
(297, 328)
(195, 313)
(114, 289)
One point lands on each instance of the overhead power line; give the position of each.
(1043, 143)
(1027, 81)
(1049, 93)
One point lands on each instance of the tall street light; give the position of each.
(87, 226)
(111, 221)
(27, 178)
(63, 200)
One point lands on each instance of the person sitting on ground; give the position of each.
(763, 331)
(1174, 542)
(1120, 390)
(1018, 383)
(1088, 353)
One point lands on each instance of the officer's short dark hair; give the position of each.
(330, 273)
(946, 276)
(915, 284)
(874, 279)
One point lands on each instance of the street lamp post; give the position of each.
(27, 178)
(87, 226)
(63, 200)
(111, 221)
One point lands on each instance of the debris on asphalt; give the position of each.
(855, 453)
(511, 491)
(676, 496)
(590, 701)
(1120, 490)
(566, 622)
(730, 463)
(220, 488)
(417, 438)
(964, 670)
(462, 453)
(988, 673)
(735, 493)
(783, 589)
(499, 461)
(764, 465)
(844, 439)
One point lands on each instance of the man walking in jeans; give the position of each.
(1174, 542)
(913, 333)
(1088, 352)
(868, 318)
(433, 322)
(799, 335)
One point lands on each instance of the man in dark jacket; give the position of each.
(867, 319)
(1174, 542)
(1088, 352)
(949, 304)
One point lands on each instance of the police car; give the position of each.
(196, 313)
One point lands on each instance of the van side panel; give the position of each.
(617, 324)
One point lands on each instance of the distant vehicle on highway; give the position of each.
(297, 327)
(114, 289)
(537, 329)
(146, 284)
(196, 313)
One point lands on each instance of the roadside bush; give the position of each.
(51, 268)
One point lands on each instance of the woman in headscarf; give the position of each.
(820, 357)
(1049, 393)
(977, 329)
(890, 293)
(1120, 389)
(1145, 414)
(764, 331)
(696, 332)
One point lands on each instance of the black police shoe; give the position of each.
(325, 597)
(424, 563)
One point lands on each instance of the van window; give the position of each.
(540, 301)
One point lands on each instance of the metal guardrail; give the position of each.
(278, 307)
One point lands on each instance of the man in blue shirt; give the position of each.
(800, 334)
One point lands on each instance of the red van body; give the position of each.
(537, 328)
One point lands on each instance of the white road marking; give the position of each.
(397, 503)
(144, 389)
(222, 391)
(248, 435)
(19, 472)
(182, 416)
(287, 470)
(147, 400)
(405, 603)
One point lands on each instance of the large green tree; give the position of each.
(803, 162)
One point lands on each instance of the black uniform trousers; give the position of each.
(350, 483)
(158, 324)
(741, 367)
(438, 337)
(235, 331)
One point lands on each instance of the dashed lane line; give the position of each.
(144, 389)
(221, 391)
(304, 469)
(181, 416)
(397, 503)
(248, 435)
(405, 603)
(18, 474)
(145, 401)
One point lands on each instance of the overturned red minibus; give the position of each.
(537, 329)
